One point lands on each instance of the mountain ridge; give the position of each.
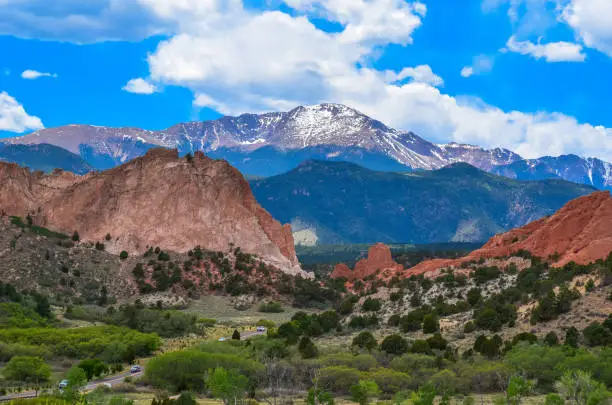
(238, 138)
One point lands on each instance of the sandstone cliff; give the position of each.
(156, 200)
(379, 260)
(581, 231)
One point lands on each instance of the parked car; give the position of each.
(222, 339)
(63, 384)
(261, 329)
(135, 369)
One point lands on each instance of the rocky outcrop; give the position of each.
(156, 200)
(581, 231)
(379, 260)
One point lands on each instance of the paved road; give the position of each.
(110, 380)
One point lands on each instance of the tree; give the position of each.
(579, 388)
(571, 337)
(371, 305)
(430, 324)
(551, 339)
(364, 391)
(473, 296)
(93, 368)
(26, 369)
(553, 399)
(236, 335)
(123, 255)
(307, 349)
(365, 340)
(597, 335)
(319, 397)
(227, 386)
(394, 344)
(424, 396)
(76, 237)
(186, 398)
(518, 387)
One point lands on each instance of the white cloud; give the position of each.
(33, 74)
(139, 86)
(419, 74)
(592, 22)
(14, 118)
(552, 52)
(481, 64)
(79, 21)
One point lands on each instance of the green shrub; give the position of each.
(365, 340)
(371, 305)
(339, 379)
(394, 345)
(123, 255)
(271, 307)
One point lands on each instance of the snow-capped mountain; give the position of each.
(591, 171)
(279, 140)
(302, 127)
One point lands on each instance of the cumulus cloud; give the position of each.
(33, 74)
(139, 86)
(481, 64)
(592, 22)
(552, 52)
(14, 118)
(80, 21)
(420, 74)
(236, 59)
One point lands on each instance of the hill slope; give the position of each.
(580, 232)
(156, 200)
(44, 157)
(343, 202)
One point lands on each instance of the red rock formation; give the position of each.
(156, 200)
(379, 259)
(581, 231)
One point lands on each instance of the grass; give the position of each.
(221, 309)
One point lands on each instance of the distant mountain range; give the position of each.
(338, 202)
(44, 157)
(273, 143)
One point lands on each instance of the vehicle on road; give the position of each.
(222, 339)
(261, 329)
(63, 384)
(135, 369)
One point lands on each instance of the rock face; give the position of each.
(581, 231)
(156, 200)
(379, 259)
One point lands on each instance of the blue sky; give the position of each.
(530, 75)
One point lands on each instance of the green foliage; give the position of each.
(319, 397)
(339, 379)
(430, 324)
(424, 396)
(76, 237)
(371, 305)
(123, 255)
(183, 370)
(551, 339)
(390, 381)
(307, 348)
(364, 392)
(100, 246)
(578, 387)
(32, 370)
(553, 399)
(571, 337)
(365, 340)
(394, 345)
(93, 368)
(469, 327)
(163, 257)
(227, 385)
(77, 379)
(81, 343)
(474, 295)
(236, 335)
(518, 387)
(166, 323)
(489, 347)
(271, 307)
(597, 335)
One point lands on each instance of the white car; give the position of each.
(261, 329)
(135, 369)
(222, 339)
(63, 384)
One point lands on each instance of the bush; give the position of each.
(163, 257)
(365, 340)
(361, 362)
(371, 305)
(437, 342)
(271, 307)
(394, 320)
(390, 381)
(430, 324)
(339, 379)
(469, 327)
(597, 335)
(123, 255)
(551, 339)
(307, 348)
(394, 345)
(236, 335)
(76, 237)
(100, 246)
